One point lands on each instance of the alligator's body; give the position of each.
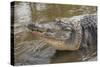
(69, 34)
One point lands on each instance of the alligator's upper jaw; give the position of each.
(35, 27)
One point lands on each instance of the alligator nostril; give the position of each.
(32, 27)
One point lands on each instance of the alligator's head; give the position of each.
(57, 33)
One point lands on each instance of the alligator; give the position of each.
(69, 34)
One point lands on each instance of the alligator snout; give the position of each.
(35, 27)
